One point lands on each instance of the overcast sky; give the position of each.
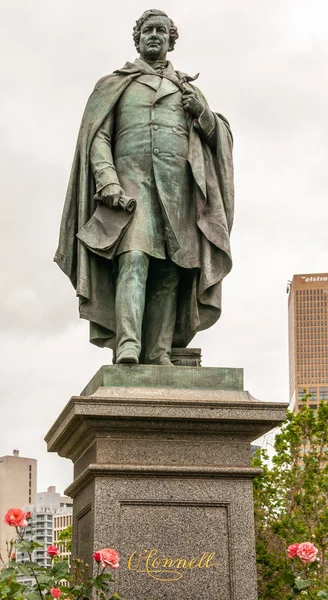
(263, 64)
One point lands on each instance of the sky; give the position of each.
(263, 64)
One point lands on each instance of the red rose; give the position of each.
(109, 558)
(97, 557)
(292, 550)
(307, 552)
(28, 516)
(55, 592)
(52, 550)
(15, 517)
(13, 556)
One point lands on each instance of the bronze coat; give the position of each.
(199, 303)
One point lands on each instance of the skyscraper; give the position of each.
(17, 488)
(308, 339)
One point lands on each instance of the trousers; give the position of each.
(146, 306)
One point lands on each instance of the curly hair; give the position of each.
(150, 13)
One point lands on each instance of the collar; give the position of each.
(140, 66)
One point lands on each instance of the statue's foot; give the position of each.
(127, 357)
(165, 362)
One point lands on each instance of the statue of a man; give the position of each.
(148, 133)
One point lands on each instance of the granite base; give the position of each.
(162, 474)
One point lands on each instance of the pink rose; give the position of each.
(307, 552)
(13, 556)
(15, 517)
(109, 558)
(55, 592)
(52, 551)
(292, 550)
(97, 557)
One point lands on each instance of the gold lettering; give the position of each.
(178, 563)
(201, 560)
(156, 563)
(150, 555)
(191, 564)
(130, 562)
(166, 568)
(208, 560)
(167, 562)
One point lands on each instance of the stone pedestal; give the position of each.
(162, 474)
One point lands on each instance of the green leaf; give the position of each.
(323, 595)
(45, 578)
(302, 584)
(26, 546)
(107, 576)
(32, 596)
(23, 569)
(7, 573)
(99, 584)
(32, 565)
(60, 569)
(289, 578)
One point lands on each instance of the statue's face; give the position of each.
(155, 38)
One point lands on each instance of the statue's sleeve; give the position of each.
(206, 124)
(101, 157)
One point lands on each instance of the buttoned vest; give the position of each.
(150, 119)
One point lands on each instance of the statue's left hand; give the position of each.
(192, 103)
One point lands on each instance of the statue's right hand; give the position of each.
(111, 194)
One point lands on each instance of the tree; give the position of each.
(291, 501)
(65, 539)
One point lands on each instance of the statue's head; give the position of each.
(154, 34)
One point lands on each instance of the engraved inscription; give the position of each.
(168, 568)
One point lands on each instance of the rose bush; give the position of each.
(57, 581)
(302, 580)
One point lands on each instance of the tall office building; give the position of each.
(17, 488)
(308, 339)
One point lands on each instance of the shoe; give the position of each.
(127, 357)
(165, 362)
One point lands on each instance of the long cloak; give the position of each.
(93, 277)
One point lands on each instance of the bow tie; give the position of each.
(159, 67)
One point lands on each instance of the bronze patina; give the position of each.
(149, 277)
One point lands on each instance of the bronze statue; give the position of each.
(148, 279)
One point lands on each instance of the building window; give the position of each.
(313, 392)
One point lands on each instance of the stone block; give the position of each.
(162, 474)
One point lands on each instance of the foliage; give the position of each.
(65, 539)
(291, 505)
(30, 581)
